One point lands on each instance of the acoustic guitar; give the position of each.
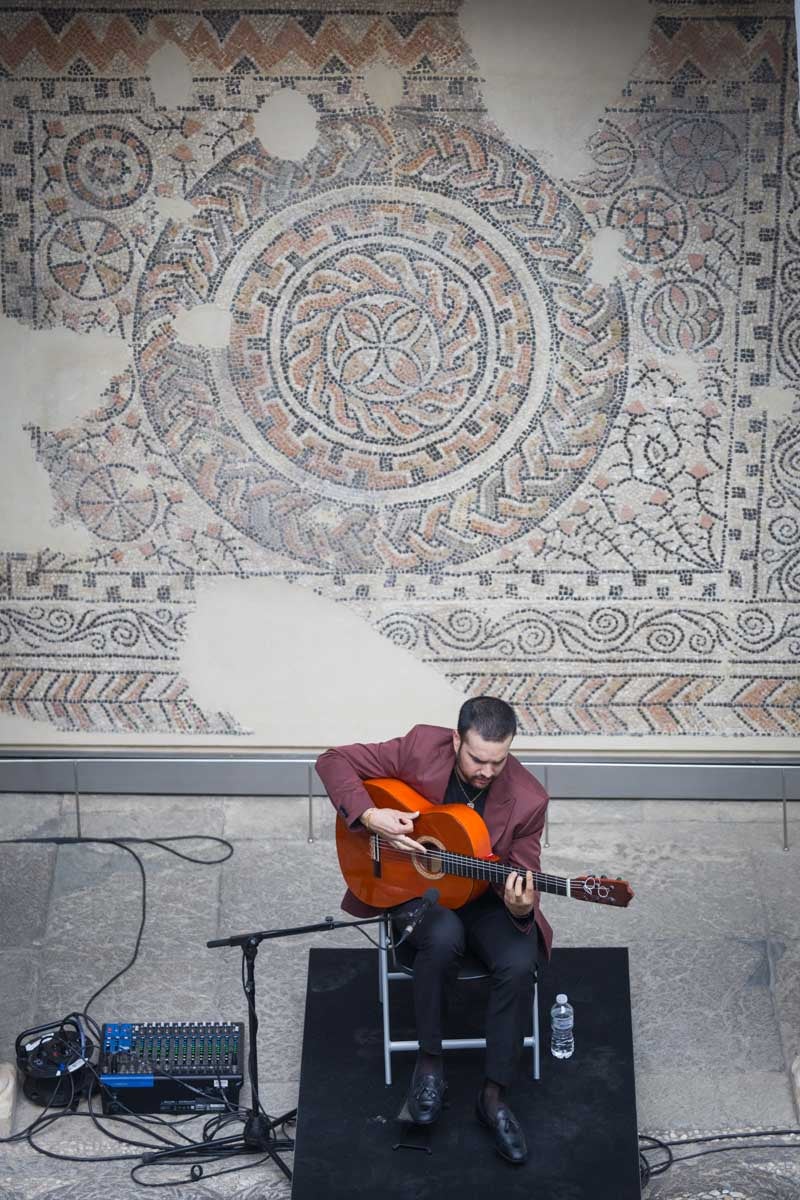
(458, 858)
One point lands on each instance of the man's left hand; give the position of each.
(519, 894)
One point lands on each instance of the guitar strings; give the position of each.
(502, 870)
(498, 872)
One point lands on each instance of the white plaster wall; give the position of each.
(286, 125)
(170, 77)
(298, 669)
(550, 69)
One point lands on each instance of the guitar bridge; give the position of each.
(375, 854)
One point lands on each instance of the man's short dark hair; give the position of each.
(492, 719)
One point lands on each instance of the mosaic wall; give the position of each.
(427, 408)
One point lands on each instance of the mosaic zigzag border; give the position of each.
(254, 41)
(268, 41)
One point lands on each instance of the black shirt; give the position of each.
(459, 792)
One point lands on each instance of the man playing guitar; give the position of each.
(504, 926)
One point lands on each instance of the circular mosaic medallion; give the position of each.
(700, 156)
(682, 314)
(89, 258)
(386, 358)
(654, 224)
(790, 275)
(107, 166)
(419, 367)
(115, 504)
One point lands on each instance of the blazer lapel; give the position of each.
(439, 762)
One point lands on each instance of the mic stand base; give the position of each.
(258, 1135)
(258, 1129)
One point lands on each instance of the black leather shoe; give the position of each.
(425, 1098)
(509, 1140)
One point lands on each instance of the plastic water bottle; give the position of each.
(562, 1021)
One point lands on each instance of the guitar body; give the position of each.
(399, 876)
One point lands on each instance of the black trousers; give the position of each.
(486, 929)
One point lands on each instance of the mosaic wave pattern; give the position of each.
(427, 409)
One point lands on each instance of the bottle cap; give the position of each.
(561, 998)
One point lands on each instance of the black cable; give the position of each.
(153, 1150)
(212, 1148)
(21, 1134)
(369, 937)
(166, 1146)
(70, 1112)
(649, 1170)
(729, 1137)
(162, 843)
(80, 1051)
(122, 844)
(139, 934)
(45, 1117)
(79, 1158)
(738, 1149)
(97, 1117)
(164, 1150)
(196, 1173)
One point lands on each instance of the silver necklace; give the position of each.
(470, 802)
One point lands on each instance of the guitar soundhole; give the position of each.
(430, 865)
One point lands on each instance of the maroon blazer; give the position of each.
(424, 759)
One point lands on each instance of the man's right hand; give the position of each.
(394, 826)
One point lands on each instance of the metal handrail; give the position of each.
(545, 763)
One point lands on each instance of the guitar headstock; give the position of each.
(601, 890)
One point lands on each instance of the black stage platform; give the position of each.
(580, 1118)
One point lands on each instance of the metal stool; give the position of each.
(399, 964)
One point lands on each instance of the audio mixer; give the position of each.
(171, 1066)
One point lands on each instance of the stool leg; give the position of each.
(383, 985)
(381, 959)
(536, 1073)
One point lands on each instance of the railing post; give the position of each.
(77, 794)
(546, 812)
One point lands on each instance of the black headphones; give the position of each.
(53, 1060)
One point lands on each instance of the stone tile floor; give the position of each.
(713, 935)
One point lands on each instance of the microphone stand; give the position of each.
(259, 1130)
